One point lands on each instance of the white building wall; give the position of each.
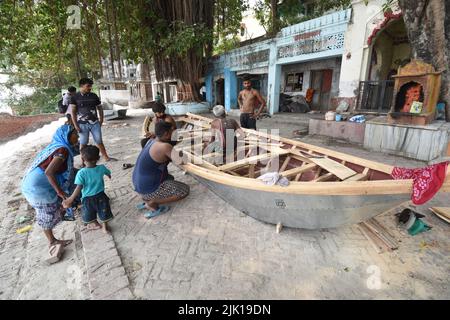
(306, 68)
(354, 68)
(253, 29)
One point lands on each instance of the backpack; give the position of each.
(61, 108)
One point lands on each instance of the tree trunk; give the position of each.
(110, 42)
(97, 37)
(274, 11)
(77, 59)
(428, 25)
(116, 40)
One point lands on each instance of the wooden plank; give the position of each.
(285, 164)
(300, 156)
(298, 170)
(195, 122)
(286, 161)
(442, 212)
(256, 173)
(302, 159)
(251, 171)
(380, 227)
(199, 161)
(318, 172)
(390, 242)
(196, 116)
(377, 244)
(357, 177)
(334, 167)
(324, 177)
(190, 148)
(349, 158)
(212, 155)
(378, 187)
(254, 159)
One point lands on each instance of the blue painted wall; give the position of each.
(209, 88)
(319, 38)
(231, 89)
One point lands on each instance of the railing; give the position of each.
(375, 96)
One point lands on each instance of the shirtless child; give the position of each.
(247, 104)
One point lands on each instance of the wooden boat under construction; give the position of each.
(327, 189)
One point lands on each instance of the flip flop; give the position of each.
(157, 212)
(93, 228)
(64, 243)
(55, 252)
(111, 159)
(141, 206)
(127, 166)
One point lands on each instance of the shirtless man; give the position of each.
(247, 104)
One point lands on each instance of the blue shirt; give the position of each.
(92, 180)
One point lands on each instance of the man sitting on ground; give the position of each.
(151, 179)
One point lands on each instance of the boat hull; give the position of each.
(305, 211)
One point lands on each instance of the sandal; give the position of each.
(127, 166)
(111, 160)
(141, 206)
(64, 243)
(55, 252)
(157, 212)
(96, 227)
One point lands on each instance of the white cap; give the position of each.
(219, 110)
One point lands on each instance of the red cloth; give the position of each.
(426, 181)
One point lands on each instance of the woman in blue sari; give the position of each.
(46, 183)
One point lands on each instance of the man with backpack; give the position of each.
(64, 103)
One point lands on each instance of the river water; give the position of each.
(5, 94)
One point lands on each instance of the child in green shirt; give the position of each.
(89, 181)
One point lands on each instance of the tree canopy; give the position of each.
(274, 15)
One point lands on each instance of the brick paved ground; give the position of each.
(204, 248)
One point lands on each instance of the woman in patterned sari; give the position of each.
(47, 182)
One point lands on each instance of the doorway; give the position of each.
(321, 81)
(220, 92)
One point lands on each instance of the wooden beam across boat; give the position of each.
(324, 177)
(250, 160)
(298, 170)
(334, 167)
(196, 160)
(357, 177)
(335, 154)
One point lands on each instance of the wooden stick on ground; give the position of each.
(377, 244)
